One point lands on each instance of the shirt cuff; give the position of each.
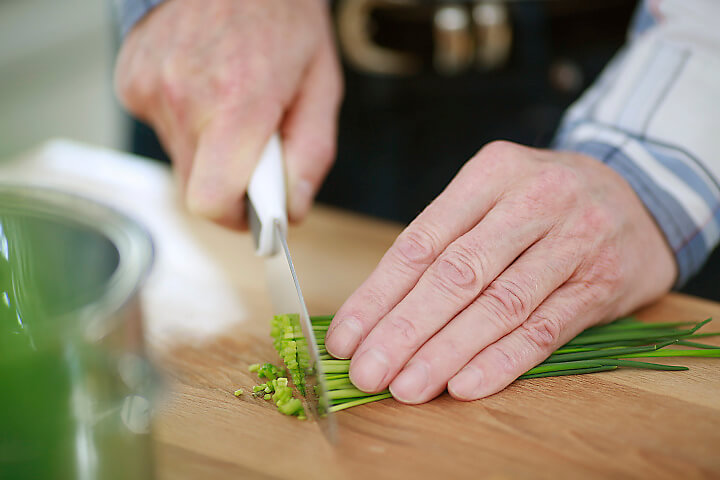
(667, 181)
(130, 12)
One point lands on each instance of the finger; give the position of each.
(451, 215)
(178, 143)
(450, 284)
(503, 306)
(566, 313)
(309, 132)
(229, 146)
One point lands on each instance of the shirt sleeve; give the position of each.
(129, 12)
(654, 117)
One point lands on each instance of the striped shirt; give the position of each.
(129, 12)
(653, 116)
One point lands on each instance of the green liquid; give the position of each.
(69, 408)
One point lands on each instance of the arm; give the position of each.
(653, 118)
(527, 247)
(216, 78)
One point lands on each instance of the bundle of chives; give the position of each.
(597, 349)
(341, 392)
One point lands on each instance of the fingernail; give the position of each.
(467, 385)
(342, 341)
(369, 371)
(411, 383)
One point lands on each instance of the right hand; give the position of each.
(216, 79)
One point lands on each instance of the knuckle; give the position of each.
(597, 219)
(453, 350)
(372, 299)
(324, 149)
(605, 273)
(172, 87)
(501, 149)
(496, 156)
(542, 331)
(134, 91)
(552, 185)
(403, 329)
(456, 268)
(416, 247)
(508, 363)
(508, 301)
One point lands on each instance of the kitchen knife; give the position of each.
(267, 216)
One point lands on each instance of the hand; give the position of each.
(216, 79)
(521, 252)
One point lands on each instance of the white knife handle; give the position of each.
(268, 198)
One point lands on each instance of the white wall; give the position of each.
(56, 73)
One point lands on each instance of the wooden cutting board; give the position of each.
(616, 424)
(207, 316)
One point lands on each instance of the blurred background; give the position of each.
(427, 84)
(55, 74)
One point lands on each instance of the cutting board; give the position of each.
(207, 317)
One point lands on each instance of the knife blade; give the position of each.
(267, 216)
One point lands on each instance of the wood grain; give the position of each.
(622, 424)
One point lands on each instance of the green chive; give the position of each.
(361, 401)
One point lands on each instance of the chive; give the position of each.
(674, 352)
(360, 401)
(336, 361)
(338, 383)
(347, 393)
(333, 368)
(573, 365)
(585, 339)
(612, 352)
(704, 335)
(577, 371)
(638, 326)
(597, 349)
(686, 343)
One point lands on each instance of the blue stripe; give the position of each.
(682, 170)
(132, 11)
(642, 20)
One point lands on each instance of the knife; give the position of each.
(267, 216)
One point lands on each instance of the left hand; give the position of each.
(521, 252)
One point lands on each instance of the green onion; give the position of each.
(598, 349)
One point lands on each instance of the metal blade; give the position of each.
(287, 298)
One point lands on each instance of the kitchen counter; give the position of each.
(207, 316)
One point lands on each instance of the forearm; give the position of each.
(653, 117)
